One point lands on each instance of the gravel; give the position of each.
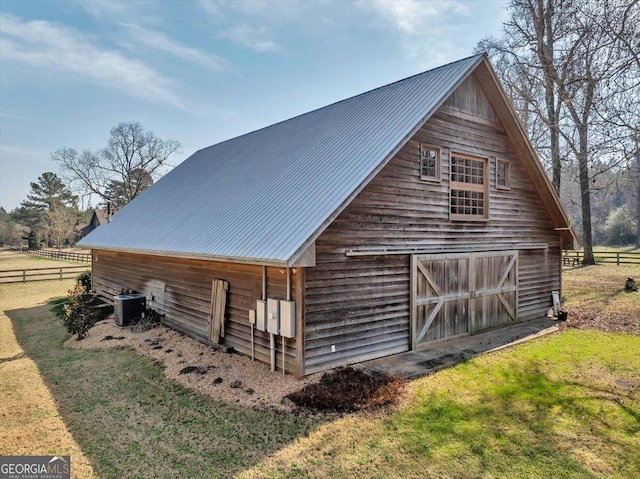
(226, 377)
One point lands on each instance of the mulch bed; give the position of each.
(347, 390)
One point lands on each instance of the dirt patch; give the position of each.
(596, 299)
(236, 379)
(348, 390)
(619, 319)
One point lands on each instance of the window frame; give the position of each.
(471, 187)
(438, 150)
(507, 174)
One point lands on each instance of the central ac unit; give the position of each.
(128, 307)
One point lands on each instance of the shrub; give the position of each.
(83, 310)
(77, 317)
(85, 280)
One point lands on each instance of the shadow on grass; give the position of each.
(523, 423)
(12, 358)
(131, 421)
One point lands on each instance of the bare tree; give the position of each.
(527, 53)
(638, 198)
(61, 222)
(583, 56)
(131, 153)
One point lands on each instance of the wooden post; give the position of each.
(60, 274)
(24, 275)
(618, 259)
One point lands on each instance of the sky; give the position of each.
(203, 71)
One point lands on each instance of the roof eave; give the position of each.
(281, 263)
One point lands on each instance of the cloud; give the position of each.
(159, 41)
(210, 7)
(425, 29)
(47, 46)
(250, 37)
(105, 8)
(413, 17)
(231, 18)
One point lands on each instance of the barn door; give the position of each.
(460, 294)
(218, 305)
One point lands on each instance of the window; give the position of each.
(468, 187)
(429, 163)
(502, 175)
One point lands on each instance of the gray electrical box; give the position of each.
(288, 319)
(261, 315)
(273, 315)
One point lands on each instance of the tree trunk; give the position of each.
(546, 56)
(555, 157)
(638, 199)
(585, 194)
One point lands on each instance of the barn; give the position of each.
(412, 213)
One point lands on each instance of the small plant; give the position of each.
(77, 317)
(85, 280)
(82, 310)
(151, 319)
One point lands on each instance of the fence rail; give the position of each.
(574, 258)
(60, 255)
(41, 274)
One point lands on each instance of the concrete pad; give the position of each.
(433, 357)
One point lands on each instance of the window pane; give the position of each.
(429, 158)
(502, 172)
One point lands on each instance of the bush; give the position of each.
(85, 280)
(77, 317)
(83, 310)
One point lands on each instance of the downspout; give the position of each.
(283, 340)
(272, 338)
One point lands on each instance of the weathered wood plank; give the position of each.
(345, 296)
(188, 295)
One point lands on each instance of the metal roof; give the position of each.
(263, 196)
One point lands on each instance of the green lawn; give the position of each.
(566, 405)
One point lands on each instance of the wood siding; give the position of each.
(186, 301)
(360, 305)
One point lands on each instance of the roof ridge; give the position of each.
(344, 100)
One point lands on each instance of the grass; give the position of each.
(618, 249)
(549, 408)
(564, 406)
(602, 284)
(126, 417)
(595, 298)
(607, 254)
(31, 421)
(10, 260)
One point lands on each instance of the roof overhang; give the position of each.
(281, 263)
